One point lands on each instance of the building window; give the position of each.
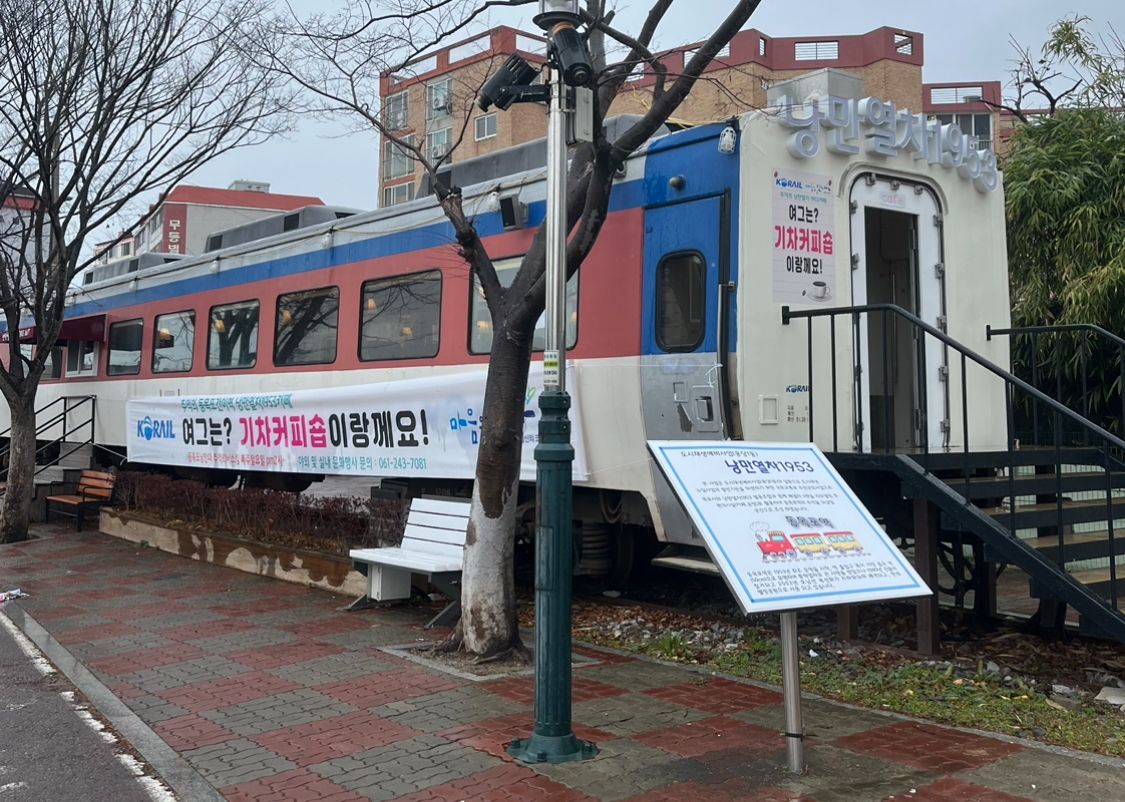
(941, 95)
(232, 340)
(306, 327)
(816, 51)
(125, 341)
(398, 161)
(399, 193)
(976, 125)
(81, 358)
(439, 99)
(724, 53)
(904, 44)
(480, 319)
(396, 111)
(761, 45)
(400, 317)
(680, 301)
(486, 127)
(438, 144)
(173, 342)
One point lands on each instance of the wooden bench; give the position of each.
(95, 488)
(433, 545)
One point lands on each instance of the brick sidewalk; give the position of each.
(269, 692)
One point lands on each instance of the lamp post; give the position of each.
(552, 739)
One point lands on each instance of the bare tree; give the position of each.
(1073, 68)
(102, 101)
(339, 60)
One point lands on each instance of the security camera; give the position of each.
(498, 90)
(570, 52)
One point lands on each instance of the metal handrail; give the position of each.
(1091, 328)
(42, 410)
(1104, 333)
(1012, 383)
(787, 314)
(43, 426)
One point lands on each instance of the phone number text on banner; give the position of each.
(427, 427)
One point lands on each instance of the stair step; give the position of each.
(1033, 516)
(76, 456)
(1099, 581)
(1038, 484)
(956, 460)
(688, 562)
(1081, 545)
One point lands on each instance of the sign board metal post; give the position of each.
(791, 693)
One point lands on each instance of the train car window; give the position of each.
(173, 342)
(54, 366)
(306, 327)
(480, 319)
(232, 339)
(400, 317)
(125, 341)
(680, 301)
(81, 358)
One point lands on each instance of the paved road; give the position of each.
(47, 752)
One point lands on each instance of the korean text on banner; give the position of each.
(782, 525)
(426, 427)
(804, 238)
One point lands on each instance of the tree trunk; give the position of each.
(15, 510)
(488, 595)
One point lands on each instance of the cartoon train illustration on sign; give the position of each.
(775, 545)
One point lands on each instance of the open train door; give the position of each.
(688, 320)
(896, 233)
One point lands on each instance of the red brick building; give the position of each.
(432, 101)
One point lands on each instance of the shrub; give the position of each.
(329, 523)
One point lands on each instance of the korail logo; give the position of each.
(159, 429)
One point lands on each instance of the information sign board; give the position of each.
(782, 525)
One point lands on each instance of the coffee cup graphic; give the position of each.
(819, 291)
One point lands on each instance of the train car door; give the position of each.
(897, 258)
(687, 323)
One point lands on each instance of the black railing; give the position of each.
(69, 405)
(1098, 446)
(1077, 341)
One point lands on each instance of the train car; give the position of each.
(844, 542)
(811, 544)
(677, 320)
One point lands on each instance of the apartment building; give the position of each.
(431, 102)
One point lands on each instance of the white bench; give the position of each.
(433, 545)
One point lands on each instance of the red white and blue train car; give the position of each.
(675, 318)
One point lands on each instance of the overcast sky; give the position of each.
(964, 41)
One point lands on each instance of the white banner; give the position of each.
(426, 427)
(782, 525)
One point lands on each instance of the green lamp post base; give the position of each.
(551, 749)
